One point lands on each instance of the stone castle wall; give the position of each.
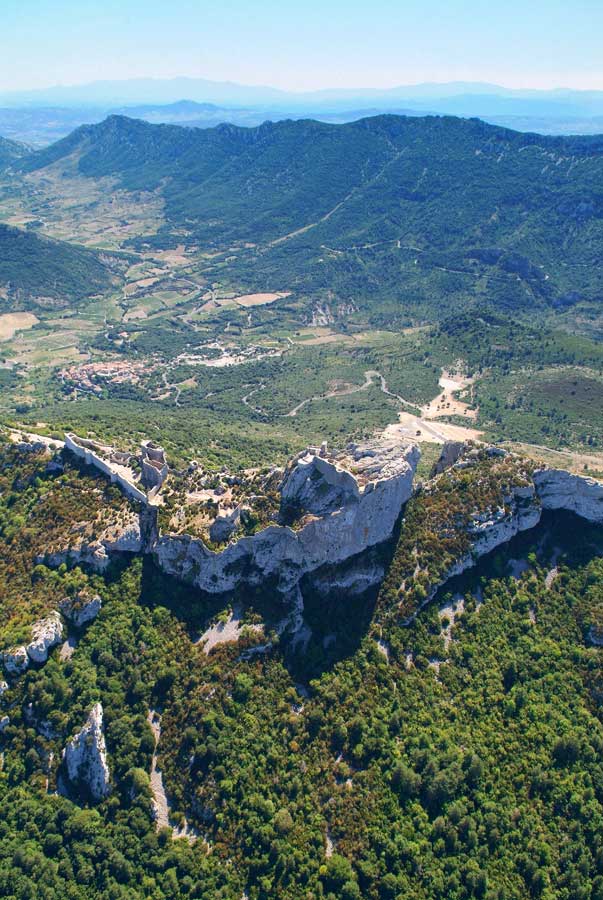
(84, 450)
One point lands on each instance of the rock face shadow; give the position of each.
(324, 623)
(561, 537)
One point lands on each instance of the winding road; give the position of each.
(370, 376)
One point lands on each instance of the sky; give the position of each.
(303, 44)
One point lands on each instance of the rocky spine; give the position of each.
(85, 757)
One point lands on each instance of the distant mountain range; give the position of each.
(41, 126)
(403, 209)
(42, 116)
(473, 98)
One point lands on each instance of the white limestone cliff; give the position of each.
(85, 756)
(122, 537)
(119, 537)
(46, 634)
(550, 489)
(558, 489)
(346, 504)
(334, 507)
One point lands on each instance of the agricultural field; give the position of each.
(302, 331)
(257, 370)
(10, 323)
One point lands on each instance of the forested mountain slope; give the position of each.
(10, 151)
(38, 272)
(436, 202)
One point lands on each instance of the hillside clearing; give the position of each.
(10, 323)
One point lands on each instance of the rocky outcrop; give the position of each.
(4, 723)
(225, 525)
(46, 634)
(451, 452)
(489, 530)
(85, 757)
(120, 537)
(15, 661)
(318, 486)
(343, 505)
(521, 511)
(81, 609)
(550, 489)
(3, 687)
(558, 489)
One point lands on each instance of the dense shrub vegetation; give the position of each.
(37, 271)
(406, 768)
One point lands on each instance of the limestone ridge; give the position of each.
(335, 505)
(85, 756)
(522, 508)
(81, 609)
(327, 512)
(45, 635)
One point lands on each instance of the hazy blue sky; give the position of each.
(305, 44)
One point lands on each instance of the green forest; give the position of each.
(457, 756)
(38, 272)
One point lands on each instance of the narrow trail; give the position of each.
(162, 810)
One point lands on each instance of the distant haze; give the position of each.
(301, 46)
(42, 116)
(455, 98)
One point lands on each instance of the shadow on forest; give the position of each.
(560, 538)
(339, 620)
